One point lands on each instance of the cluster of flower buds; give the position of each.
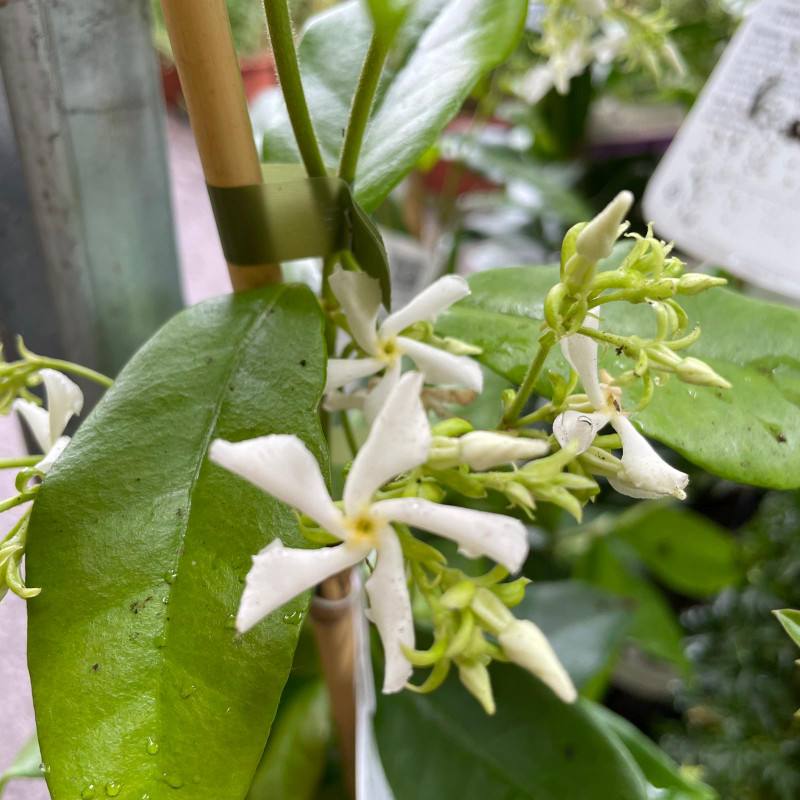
(472, 626)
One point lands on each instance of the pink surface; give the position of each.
(203, 275)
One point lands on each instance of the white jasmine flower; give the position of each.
(360, 298)
(64, 400)
(644, 474)
(398, 441)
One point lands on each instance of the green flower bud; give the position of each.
(694, 282)
(491, 611)
(512, 593)
(459, 596)
(459, 348)
(697, 372)
(445, 452)
(454, 426)
(475, 678)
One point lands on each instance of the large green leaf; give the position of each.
(612, 565)
(585, 625)
(444, 47)
(26, 764)
(686, 551)
(660, 771)
(297, 750)
(141, 546)
(442, 746)
(749, 434)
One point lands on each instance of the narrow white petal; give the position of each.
(283, 466)
(280, 573)
(434, 299)
(486, 449)
(360, 298)
(64, 400)
(379, 393)
(339, 401)
(579, 425)
(526, 645)
(342, 371)
(398, 441)
(581, 352)
(53, 453)
(38, 420)
(644, 473)
(439, 366)
(478, 533)
(390, 610)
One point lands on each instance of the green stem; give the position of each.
(348, 433)
(22, 461)
(17, 500)
(362, 105)
(280, 33)
(536, 416)
(75, 369)
(513, 411)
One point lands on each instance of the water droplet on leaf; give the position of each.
(112, 789)
(152, 746)
(293, 618)
(88, 792)
(187, 690)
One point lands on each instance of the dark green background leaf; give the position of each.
(442, 746)
(749, 434)
(612, 565)
(686, 551)
(141, 546)
(443, 49)
(585, 625)
(660, 771)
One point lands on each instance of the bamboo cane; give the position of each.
(202, 46)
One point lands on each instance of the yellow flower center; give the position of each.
(389, 350)
(363, 528)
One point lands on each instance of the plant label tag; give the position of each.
(728, 188)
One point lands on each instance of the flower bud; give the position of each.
(482, 450)
(459, 348)
(491, 611)
(526, 645)
(444, 453)
(697, 372)
(597, 239)
(510, 593)
(454, 426)
(475, 678)
(518, 494)
(458, 596)
(695, 282)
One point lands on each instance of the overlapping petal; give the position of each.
(432, 300)
(280, 573)
(390, 610)
(376, 396)
(342, 371)
(439, 366)
(581, 352)
(398, 441)
(644, 473)
(282, 465)
(572, 425)
(360, 298)
(37, 420)
(477, 533)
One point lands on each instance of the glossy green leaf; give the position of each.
(661, 772)
(585, 625)
(442, 746)
(613, 566)
(749, 434)
(687, 552)
(26, 764)
(442, 50)
(296, 752)
(790, 620)
(141, 546)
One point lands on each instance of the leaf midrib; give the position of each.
(236, 360)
